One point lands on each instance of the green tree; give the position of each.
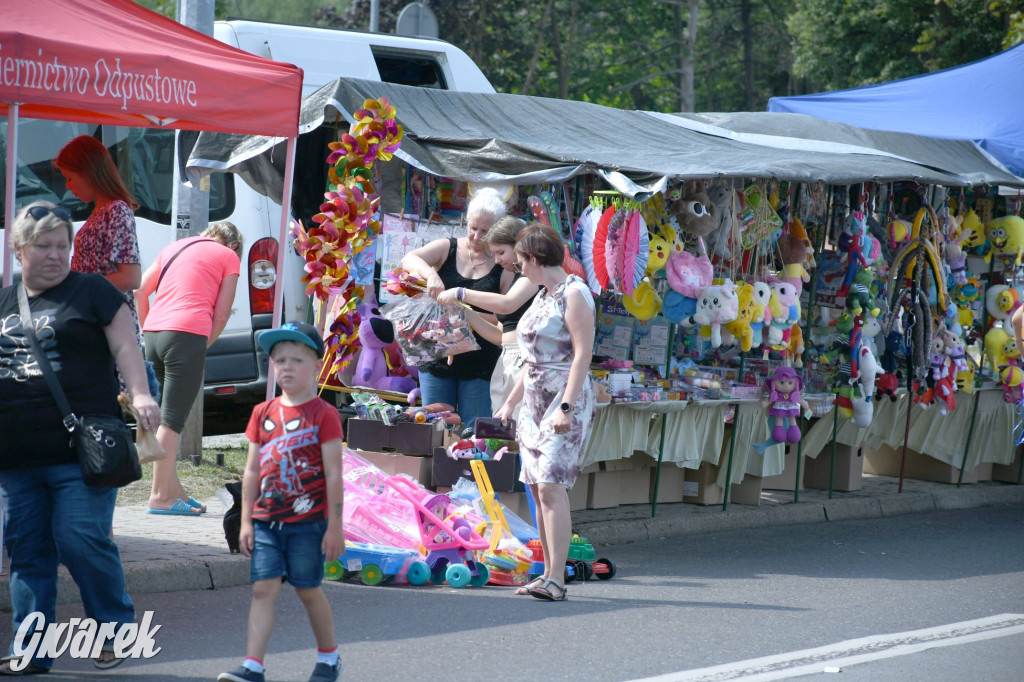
(848, 43)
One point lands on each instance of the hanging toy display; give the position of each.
(347, 223)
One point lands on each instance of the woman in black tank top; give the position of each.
(464, 262)
(508, 307)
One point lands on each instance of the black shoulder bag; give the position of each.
(105, 446)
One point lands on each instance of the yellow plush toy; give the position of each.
(740, 327)
(645, 301)
(972, 234)
(657, 259)
(1007, 236)
(997, 340)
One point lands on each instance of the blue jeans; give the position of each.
(291, 550)
(471, 398)
(51, 517)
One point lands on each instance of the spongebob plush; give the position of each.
(1006, 235)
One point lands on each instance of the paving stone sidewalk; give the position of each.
(174, 553)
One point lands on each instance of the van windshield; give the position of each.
(144, 158)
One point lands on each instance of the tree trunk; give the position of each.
(536, 49)
(685, 41)
(748, 55)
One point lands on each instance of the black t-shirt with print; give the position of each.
(69, 321)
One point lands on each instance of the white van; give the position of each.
(235, 369)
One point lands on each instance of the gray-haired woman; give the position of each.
(51, 516)
(467, 263)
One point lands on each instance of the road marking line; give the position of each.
(852, 652)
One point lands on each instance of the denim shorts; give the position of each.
(290, 550)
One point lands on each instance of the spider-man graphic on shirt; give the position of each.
(291, 469)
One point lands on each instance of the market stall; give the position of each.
(860, 263)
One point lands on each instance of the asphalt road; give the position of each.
(723, 601)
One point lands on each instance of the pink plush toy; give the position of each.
(688, 274)
(377, 336)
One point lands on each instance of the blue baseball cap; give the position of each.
(299, 332)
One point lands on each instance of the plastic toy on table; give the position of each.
(449, 543)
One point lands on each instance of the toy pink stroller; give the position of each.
(449, 546)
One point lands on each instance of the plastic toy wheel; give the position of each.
(588, 570)
(608, 567)
(371, 575)
(570, 573)
(458, 575)
(333, 570)
(418, 573)
(482, 576)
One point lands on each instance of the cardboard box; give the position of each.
(393, 463)
(700, 487)
(407, 438)
(670, 487)
(604, 490)
(620, 481)
(579, 492)
(787, 479)
(848, 470)
(1007, 473)
(504, 472)
(886, 462)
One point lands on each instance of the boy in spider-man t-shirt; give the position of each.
(292, 499)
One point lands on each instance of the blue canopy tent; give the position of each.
(982, 101)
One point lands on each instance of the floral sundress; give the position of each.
(546, 349)
(106, 240)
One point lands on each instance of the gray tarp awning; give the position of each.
(493, 137)
(800, 132)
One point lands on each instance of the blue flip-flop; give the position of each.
(179, 508)
(196, 504)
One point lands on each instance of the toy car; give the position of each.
(374, 564)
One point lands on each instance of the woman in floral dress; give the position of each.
(556, 338)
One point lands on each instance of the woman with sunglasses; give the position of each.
(556, 339)
(51, 516)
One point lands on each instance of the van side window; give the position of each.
(405, 69)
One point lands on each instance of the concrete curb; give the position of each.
(212, 571)
(710, 520)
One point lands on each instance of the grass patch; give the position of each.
(200, 482)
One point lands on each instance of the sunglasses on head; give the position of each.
(40, 212)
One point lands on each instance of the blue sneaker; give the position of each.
(326, 673)
(241, 674)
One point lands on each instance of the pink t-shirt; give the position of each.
(187, 294)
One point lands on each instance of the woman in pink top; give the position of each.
(192, 297)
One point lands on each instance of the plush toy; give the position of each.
(693, 210)
(898, 232)
(796, 227)
(965, 379)
(644, 303)
(887, 384)
(996, 340)
(789, 299)
(1007, 236)
(687, 275)
(478, 448)
(1012, 380)
(859, 297)
(722, 199)
(869, 370)
(861, 410)
(785, 404)
(844, 401)
(871, 334)
(740, 327)
(657, 257)
(795, 349)
(764, 305)
(716, 305)
(956, 259)
(793, 252)
(374, 369)
(972, 232)
(851, 245)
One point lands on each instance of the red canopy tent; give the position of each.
(114, 62)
